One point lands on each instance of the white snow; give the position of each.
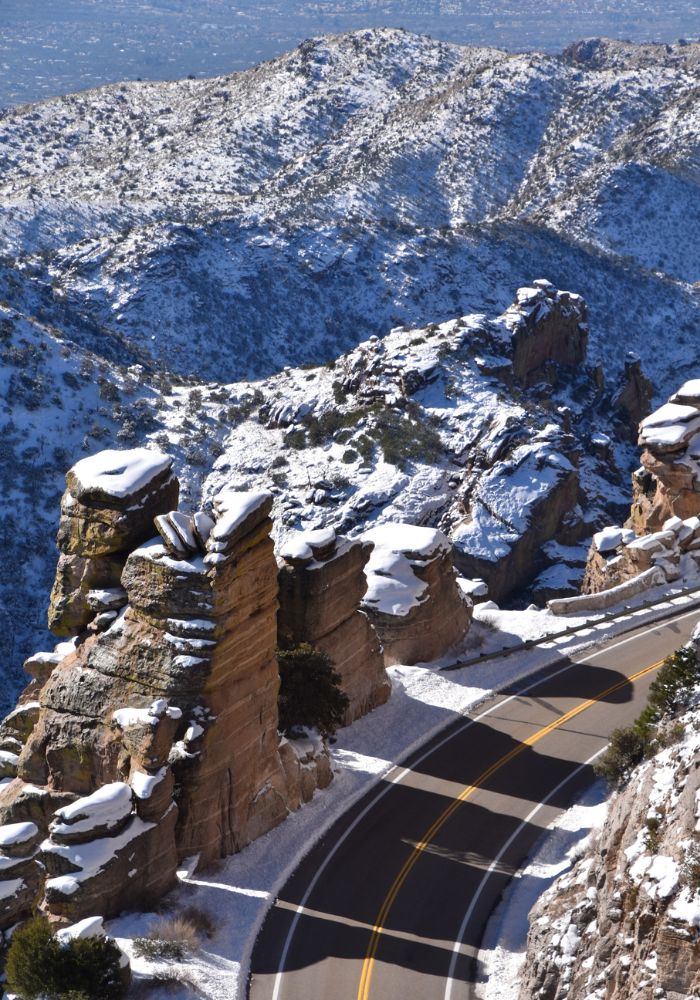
(17, 833)
(10, 887)
(233, 507)
(686, 907)
(107, 807)
(413, 541)
(669, 426)
(609, 538)
(392, 586)
(144, 785)
(125, 717)
(119, 474)
(89, 927)
(301, 544)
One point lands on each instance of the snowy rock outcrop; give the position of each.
(155, 739)
(668, 483)
(548, 328)
(322, 584)
(106, 511)
(663, 529)
(413, 599)
(623, 924)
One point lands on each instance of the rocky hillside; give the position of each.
(623, 922)
(280, 215)
(497, 430)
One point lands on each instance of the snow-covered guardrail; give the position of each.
(573, 629)
(652, 577)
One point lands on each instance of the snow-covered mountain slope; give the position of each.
(281, 215)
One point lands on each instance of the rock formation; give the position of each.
(668, 482)
(633, 399)
(106, 511)
(412, 598)
(516, 507)
(322, 584)
(153, 738)
(547, 327)
(663, 529)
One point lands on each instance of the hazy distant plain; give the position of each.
(50, 47)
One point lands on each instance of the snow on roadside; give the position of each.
(424, 700)
(502, 954)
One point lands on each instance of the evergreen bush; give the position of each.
(39, 965)
(670, 692)
(310, 693)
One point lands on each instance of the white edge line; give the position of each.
(489, 871)
(389, 780)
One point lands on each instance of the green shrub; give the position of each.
(626, 749)
(310, 693)
(175, 936)
(38, 965)
(670, 691)
(155, 949)
(689, 875)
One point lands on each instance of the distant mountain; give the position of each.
(228, 227)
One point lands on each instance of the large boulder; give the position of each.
(413, 599)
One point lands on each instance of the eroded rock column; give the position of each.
(322, 584)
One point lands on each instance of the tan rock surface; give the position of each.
(106, 511)
(178, 693)
(322, 583)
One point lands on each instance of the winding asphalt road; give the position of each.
(392, 902)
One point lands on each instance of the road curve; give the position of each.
(392, 902)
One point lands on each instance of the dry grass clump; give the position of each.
(176, 936)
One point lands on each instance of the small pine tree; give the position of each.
(39, 965)
(310, 693)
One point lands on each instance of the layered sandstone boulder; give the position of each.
(663, 529)
(106, 511)
(322, 584)
(668, 482)
(155, 738)
(413, 598)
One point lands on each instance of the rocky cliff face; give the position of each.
(668, 483)
(623, 924)
(663, 529)
(153, 736)
(322, 583)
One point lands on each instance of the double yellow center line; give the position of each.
(467, 792)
